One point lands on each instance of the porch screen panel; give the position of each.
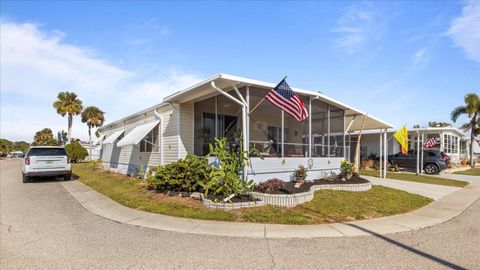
(204, 125)
(296, 135)
(337, 131)
(265, 125)
(319, 128)
(229, 118)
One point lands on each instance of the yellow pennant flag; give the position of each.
(402, 137)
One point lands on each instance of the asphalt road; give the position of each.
(42, 227)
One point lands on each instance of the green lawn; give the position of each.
(472, 171)
(428, 179)
(326, 207)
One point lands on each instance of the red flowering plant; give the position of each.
(271, 186)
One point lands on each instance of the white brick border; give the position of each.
(284, 200)
(291, 200)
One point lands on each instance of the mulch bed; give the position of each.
(291, 189)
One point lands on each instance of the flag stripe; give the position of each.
(283, 97)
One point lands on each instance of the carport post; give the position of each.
(380, 153)
(418, 152)
(385, 153)
(421, 158)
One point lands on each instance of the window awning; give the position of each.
(137, 134)
(113, 137)
(99, 139)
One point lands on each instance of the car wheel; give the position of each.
(25, 178)
(431, 169)
(67, 177)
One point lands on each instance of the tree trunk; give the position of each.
(70, 118)
(90, 141)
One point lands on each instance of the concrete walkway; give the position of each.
(442, 210)
(428, 190)
(467, 178)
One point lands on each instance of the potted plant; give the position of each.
(347, 169)
(300, 174)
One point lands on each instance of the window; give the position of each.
(54, 151)
(150, 142)
(450, 144)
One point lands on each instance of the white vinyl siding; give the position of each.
(186, 130)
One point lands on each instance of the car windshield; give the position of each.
(47, 152)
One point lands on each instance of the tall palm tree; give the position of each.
(472, 109)
(67, 103)
(94, 117)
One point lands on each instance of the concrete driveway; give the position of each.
(42, 227)
(428, 190)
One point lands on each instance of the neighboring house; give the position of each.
(187, 121)
(96, 149)
(448, 140)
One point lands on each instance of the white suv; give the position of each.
(46, 161)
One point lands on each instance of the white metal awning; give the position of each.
(99, 139)
(137, 134)
(113, 137)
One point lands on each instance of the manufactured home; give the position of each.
(231, 107)
(447, 139)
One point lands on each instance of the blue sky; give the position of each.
(404, 62)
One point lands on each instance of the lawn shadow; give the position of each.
(411, 249)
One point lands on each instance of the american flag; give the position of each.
(430, 143)
(283, 97)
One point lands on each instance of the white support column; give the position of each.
(328, 134)
(216, 117)
(422, 153)
(418, 152)
(283, 134)
(380, 153)
(385, 153)
(344, 137)
(247, 91)
(244, 123)
(310, 127)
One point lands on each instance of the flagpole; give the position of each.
(258, 104)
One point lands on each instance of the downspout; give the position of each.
(244, 123)
(160, 117)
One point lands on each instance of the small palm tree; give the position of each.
(67, 103)
(94, 117)
(472, 109)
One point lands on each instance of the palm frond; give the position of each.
(457, 112)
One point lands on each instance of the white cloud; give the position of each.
(420, 59)
(357, 26)
(465, 30)
(36, 65)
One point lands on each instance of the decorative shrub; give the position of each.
(225, 180)
(271, 186)
(76, 151)
(185, 175)
(346, 168)
(301, 172)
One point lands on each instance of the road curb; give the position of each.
(435, 213)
